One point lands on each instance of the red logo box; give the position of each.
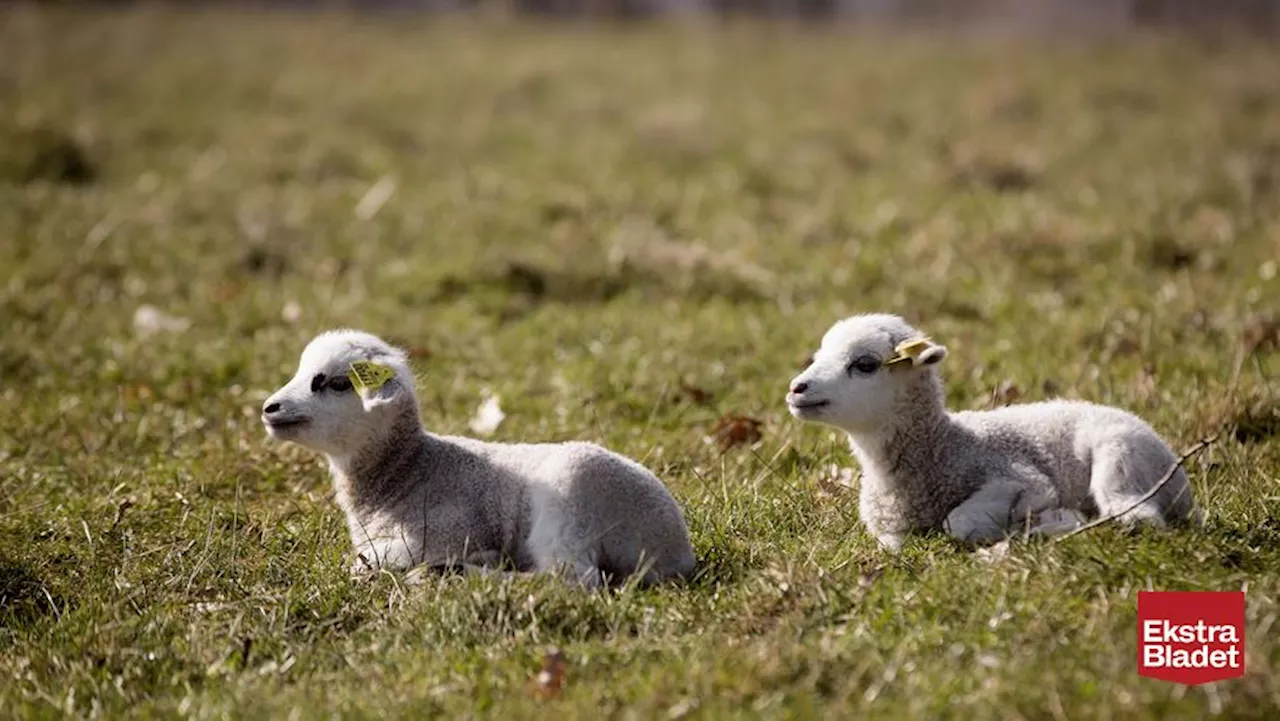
(1191, 637)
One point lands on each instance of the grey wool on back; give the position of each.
(415, 499)
(1041, 468)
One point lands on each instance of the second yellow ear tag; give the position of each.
(907, 350)
(370, 375)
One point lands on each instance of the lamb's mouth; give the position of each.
(807, 406)
(280, 424)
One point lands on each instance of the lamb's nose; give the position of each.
(799, 388)
(271, 408)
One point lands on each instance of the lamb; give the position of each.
(979, 476)
(416, 500)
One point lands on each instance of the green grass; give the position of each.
(590, 221)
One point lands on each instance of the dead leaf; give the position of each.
(694, 394)
(869, 576)
(1005, 392)
(1258, 422)
(835, 481)
(415, 350)
(549, 682)
(1263, 334)
(488, 416)
(734, 430)
(1144, 384)
(228, 290)
(124, 506)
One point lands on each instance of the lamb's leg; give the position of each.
(891, 542)
(1056, 521)
(420, 574)
(558, 544)
(986, 516)
(1123, 473)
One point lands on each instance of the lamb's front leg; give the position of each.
(989, 515)
(486, 564)
(416, 570)
(1056, 521)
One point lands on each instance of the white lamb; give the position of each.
(980, 476)
(414, 499)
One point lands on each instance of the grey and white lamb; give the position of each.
(414, 499)
(980, 476)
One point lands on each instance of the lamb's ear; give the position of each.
(931, 355)
(377, 384)
(373, 397)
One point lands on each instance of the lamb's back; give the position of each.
(1057, 438)
(583, 490)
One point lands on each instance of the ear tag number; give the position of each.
(369, 375)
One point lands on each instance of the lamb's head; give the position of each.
(868, 369)
(349, 389)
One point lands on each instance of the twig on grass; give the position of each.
(1168, 476)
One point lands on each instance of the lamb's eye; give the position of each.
(340, 384)
(317, 383)
(866, 365)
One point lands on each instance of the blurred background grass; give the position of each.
(627, 232)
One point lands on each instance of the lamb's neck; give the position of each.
(904, 455)
(385, 471)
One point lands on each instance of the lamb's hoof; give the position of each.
(1055, 522)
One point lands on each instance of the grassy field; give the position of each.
(626, 234)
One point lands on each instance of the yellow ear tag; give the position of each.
(369, 375)
(907, 350)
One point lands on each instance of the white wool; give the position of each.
(416, 499)
(1042, 468)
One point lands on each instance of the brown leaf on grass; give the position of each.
(868, 575)
(1002, 176)
(1005, 392)
(1257, 423)
(44, 153)
(121, 509)
(416, 351)
(228, 290)
(1168, 252)
(1144, 383)
(260, 259)
(549, 682)
(835, 481)
(694, 394)
(1262, 334)
(735, 430)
